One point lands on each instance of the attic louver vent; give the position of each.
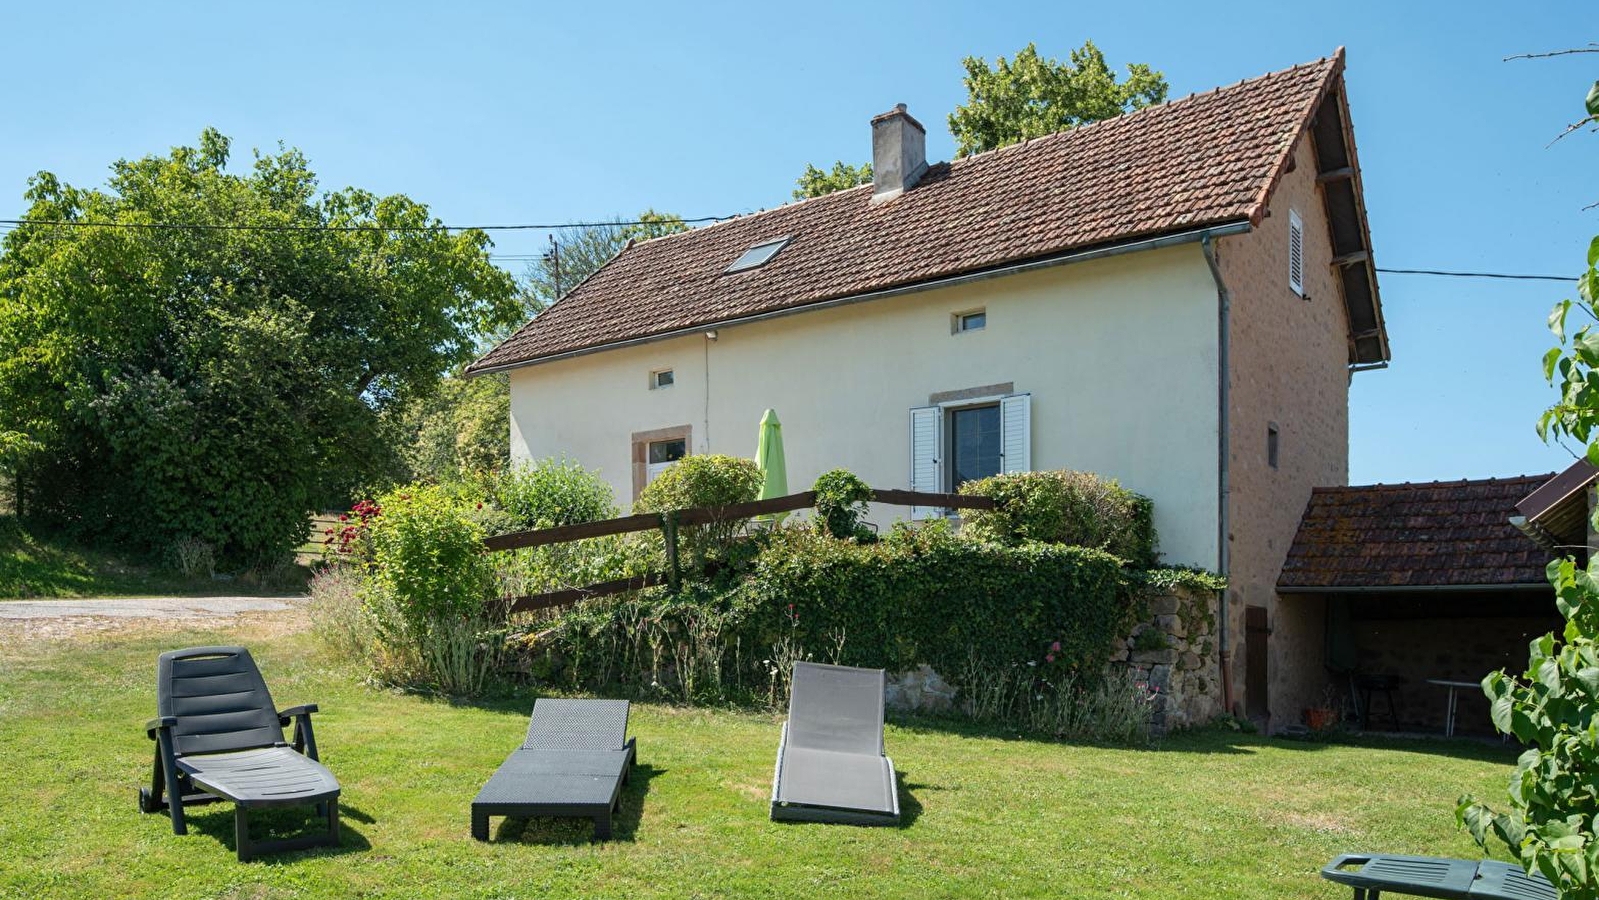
(1296, 253)
(757, 256)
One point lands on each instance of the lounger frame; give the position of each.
(789, 809)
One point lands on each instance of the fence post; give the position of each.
(669, 531)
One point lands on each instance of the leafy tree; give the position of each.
(211, 354)
(461, 429)
(1030, 96)
(816, 182)
(1552, 822)
(580, 251)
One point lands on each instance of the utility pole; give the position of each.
(553, 260)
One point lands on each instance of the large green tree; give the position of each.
(196, 352)
(1031, 96)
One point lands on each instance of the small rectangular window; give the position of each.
(662, 378)
(757, 256)
(975, 320)
(1296, 253)
(1271, 444)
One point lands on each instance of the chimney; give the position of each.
(899, 153)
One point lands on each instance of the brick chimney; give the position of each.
(899, 153)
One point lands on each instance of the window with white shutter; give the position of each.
(1296, 253)
(927, 436)
(1016, 433)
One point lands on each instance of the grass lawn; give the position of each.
(1209, 814)
(37, 566)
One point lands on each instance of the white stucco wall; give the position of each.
(1119, 355)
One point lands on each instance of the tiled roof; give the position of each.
(1207, 159)
(1414, 535)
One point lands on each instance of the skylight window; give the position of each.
(757, 256)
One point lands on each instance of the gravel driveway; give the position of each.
(61, 618)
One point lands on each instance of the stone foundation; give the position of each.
(1173, 651)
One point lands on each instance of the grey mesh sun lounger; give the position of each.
(830, 762)
(219, 738)
(1429, 876)
(574, 762)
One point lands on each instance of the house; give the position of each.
(1176, 298)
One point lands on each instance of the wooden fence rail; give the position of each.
(669, 522)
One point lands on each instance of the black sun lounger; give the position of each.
(219, 738)
(1430, 876)
(830, 763)
(574, 762)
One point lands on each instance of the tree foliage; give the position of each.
(222, 378)
(816, 182)
(462, 428)
(1030, 96)
(580, 251)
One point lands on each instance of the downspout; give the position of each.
(1223, 302)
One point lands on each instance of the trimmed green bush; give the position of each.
(919, 596)
(841, 499)
(701, 480)
(1065, 507)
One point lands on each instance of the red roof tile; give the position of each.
(1206, 159)
(1415, 535)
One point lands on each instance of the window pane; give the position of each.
(974, 321)
(667, 451)
(663, 378)
(975, 444)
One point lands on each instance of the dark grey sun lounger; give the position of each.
(574, 762)
(219, 738)
(1372, 875)
(830, 763)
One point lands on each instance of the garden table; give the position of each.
(1430, 876)
(1449, 712)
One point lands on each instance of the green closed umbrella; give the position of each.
(769, 459)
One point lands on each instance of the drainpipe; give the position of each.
(1223, 302)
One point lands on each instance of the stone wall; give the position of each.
(1173, 651)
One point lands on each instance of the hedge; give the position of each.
(919, 596)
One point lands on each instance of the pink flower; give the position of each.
(1049, 658)
(1055, 647)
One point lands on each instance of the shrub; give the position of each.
(194, 557)
(1065, 507)
(551, 492)
(701, 480)
(1551, 709)
(697, 481)
(841, 499)
(430, 590)
(919, 596)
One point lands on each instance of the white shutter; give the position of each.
(927, 470)
(1016, 433)
(1296, 253)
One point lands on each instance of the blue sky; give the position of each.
(502, 112)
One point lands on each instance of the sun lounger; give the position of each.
(219, 738)
(1429, 876)
(574, 762)
(830, 761)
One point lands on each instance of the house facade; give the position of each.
(1176, 298)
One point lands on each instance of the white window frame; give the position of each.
(958, 318)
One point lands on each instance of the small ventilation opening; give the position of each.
(757, 256)
(1296, 253)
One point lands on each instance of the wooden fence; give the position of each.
(669, 522)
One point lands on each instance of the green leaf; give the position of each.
(1550, 360)
(1593, 246)
(1592, 105)
(1557, 319)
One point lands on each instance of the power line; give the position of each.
(1504, 275)
(221, 226)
